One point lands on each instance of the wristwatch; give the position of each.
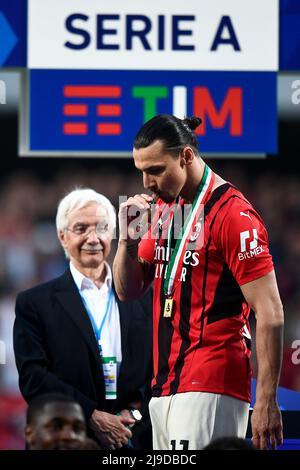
(136, 414)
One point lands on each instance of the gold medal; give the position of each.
(168, 308)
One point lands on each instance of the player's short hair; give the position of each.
(79, 198)
(175, 133)
(37, 405)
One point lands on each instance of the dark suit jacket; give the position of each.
(56, 350)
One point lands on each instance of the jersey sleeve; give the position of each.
(243, 241)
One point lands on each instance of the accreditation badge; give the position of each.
(110, 377)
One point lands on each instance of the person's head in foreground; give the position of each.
(55, 422)
(166, 151)
(229, 443)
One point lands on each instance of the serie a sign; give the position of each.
(170, 35)
(99, 70)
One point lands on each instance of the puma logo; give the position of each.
(245, 214)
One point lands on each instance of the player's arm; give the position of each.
(132, 274)
(263, 297)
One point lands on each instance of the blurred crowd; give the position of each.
(30, 253)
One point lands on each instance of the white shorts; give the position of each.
(191, 420)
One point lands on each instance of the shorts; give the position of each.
(191, 420)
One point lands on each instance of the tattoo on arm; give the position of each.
(148, 270)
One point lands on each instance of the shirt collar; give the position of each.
(82, 282)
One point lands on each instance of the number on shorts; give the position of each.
(184, 445)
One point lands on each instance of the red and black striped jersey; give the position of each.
(205, 345)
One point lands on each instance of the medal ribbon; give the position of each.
(202, 191)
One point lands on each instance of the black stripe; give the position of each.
(203, 291)
(165, 327)
(165, 335)
(248, 342)
(186, 298)
(165, 331)
(184, 326)
(217, 194)
(228, 300)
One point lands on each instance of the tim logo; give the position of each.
(83, 102)
(2, 353)
(249, 245)
(78, 106)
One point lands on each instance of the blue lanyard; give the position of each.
(98, 331)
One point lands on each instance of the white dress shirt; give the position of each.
(96, 301)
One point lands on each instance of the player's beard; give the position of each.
(167, 198)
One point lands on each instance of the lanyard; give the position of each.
(98, 331)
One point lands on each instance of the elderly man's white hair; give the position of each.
(78, 199)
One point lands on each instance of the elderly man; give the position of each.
(73, 336)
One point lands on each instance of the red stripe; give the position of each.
(75, 110)
(73, 128)
(86, 91)
(109, 110)
(109, 129)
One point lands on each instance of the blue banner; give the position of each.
(101, 111)
(289, 36)
(13, 33)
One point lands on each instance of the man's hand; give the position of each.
(263, 297)
(266, 425)
(111, 430)
(126, 414)
(131, 224)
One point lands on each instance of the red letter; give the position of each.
(231, 107)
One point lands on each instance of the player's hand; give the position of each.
(111, 430)
(132, 225)
(266, 423)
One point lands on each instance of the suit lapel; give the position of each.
(70, 299)
(124, 325)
